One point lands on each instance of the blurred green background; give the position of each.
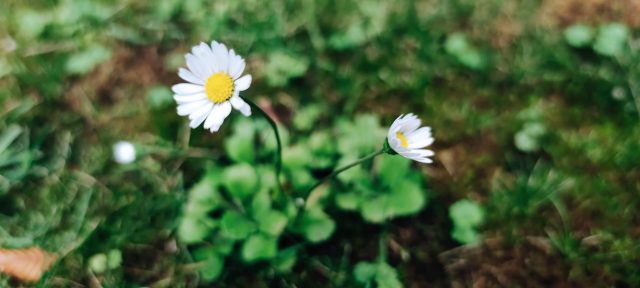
(535, 107)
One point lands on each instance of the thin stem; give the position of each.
(382, 246)
(278, 156)
(342, 169)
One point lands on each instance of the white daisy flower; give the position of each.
(214, 85)
(406, 139)
(124, 152)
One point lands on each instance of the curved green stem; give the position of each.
(342, 169)
(278, 156)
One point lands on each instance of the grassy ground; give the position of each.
(535, 106)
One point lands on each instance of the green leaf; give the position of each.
(296, 157)
(321, 143)
(212, 268)
(578, 35)
(31, 23)
(456, 44)
(85, 61)
(465, 235)
(406, 198)
(236, 226)
(465, 213)
(376, 210)
(315, 225)
(159, 97)
(387, 277)
(193, 230)
(283, 66)
(241, 145)
(211, 263)
(348, 201)
(306, 118)
(272, 222)
(222, 246)
(203, 198)
(301, 179)
(364, 272)
(98, 263)
(611, 40)
(285, 260)
(261, 202)
(381, 273)
(458, 47)
(353, 175)
(350, 140)
(241, 180)
(392, 170)
(114, 259)
(259, 246)
(528, 139)
(525, 142)
(268, 137)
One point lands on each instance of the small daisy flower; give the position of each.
(406, 139)
(214, 86)
(124, 152)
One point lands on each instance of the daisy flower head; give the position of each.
(213, 86)
(405, 137)
(124, 152)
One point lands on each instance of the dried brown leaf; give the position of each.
(26, 265)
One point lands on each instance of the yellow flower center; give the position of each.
(403, 140)
(219, 87)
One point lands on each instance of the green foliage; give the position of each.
(521, 198)
(77, 76)
(315, 225)
(578, 35)
(282, 66)
(159, 97)
(466, 216)
(528, 139)
(85, 61)
(380, 273)
(241, 180)
(611, 39)
(459, 47)
(100, 263)
(394, 190)
(240, 147)
(259, 246)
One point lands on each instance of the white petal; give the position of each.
(217, 115)
(410, 123)
(395, 144)
(197, 121)
(423, 160)
(186, 109)
(181, 98)
(236, 66)
(420, 138)
(243, 83)
(197, 66)
(188, 76)
(186, 88)
(419, 155)
(205, 54)
(424, 152)
(205, 109)
(211, 117)
(222, 56)
(240, 105)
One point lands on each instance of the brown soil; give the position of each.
(566, 12)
